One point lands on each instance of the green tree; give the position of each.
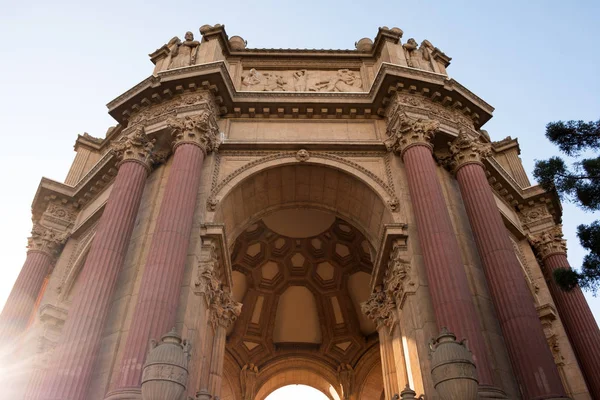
(580, 184)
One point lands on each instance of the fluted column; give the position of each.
(448, 285)
(156, 306)
(381, 308)
(531, 358)
(223, 312)
(43, 248)
(572, 306)
(71, 369)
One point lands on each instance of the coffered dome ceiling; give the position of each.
(301, 294)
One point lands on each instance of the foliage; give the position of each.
(579, 183)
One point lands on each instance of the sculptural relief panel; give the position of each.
(302, 80)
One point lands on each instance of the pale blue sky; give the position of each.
(535, 61)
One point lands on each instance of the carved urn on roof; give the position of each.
(166, 369)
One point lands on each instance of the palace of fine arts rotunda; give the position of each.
(259, 218)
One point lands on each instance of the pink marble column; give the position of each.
(157, 302)
(448, 285)
(74, 357)
(19, 305)
(573, 308)
(531, 358)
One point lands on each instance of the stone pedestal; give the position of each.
(531, 358)
(77, 350)
(447, 279)
(572, 306)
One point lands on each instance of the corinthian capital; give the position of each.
(223, 309)
(199, 129)
(549, 242)
(467, 150)
(404, 131)
(135, 146)
(380, 307)
(46, 240)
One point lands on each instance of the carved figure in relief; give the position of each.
(183, 54)
(343, 81)
(300, 80)
(274, 83)
(418, 57)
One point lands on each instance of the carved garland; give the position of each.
(212, 201)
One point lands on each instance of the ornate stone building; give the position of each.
(265, 217)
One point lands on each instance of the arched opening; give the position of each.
(297, 392)
(302, 240)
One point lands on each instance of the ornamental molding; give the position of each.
(305, 157)
(200, 130)
(381, 309)
(404, 131)
(548, 318)
(549, 242)
(397, 279)
(76, 262)
(46, 240)
(465, 150)
(536, 216)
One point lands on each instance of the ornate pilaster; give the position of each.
(573, 309)
(466, 150)
(74, 358)
(248, 381)
(549, 242)
(405, 132)
(397, 281)
(223, 312)
(193, 137)
(381, 308)
(345, 374)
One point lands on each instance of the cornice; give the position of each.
(215, 77)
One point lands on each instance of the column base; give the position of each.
(491, 392)
(203, 395)
(125, 394)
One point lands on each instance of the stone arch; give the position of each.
(70, 277)
(297, 371)
(329, 185)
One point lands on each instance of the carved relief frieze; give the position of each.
(548, 242)
(536, 216)
(381, 308)
(59, 214)
(219, 183)
(302, 80)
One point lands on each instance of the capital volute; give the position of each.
(404, 131)
(381, 308)
(549, 242)
(136, 146)
(199, 129)
(46, 240)
(465, 149)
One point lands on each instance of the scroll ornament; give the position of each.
(404, 131)
(136, 146)
(46, 240)
(549, 242)
(200, 129)
(466, 149)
